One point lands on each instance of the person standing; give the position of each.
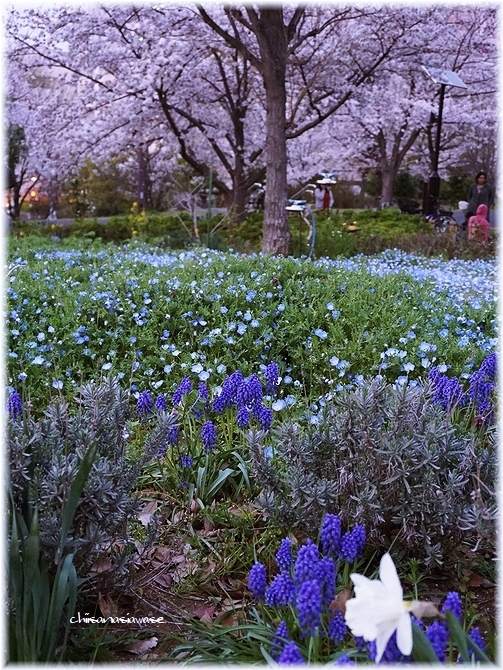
(319, 193)
(480, 193)
(328, 198)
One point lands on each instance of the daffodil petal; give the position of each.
(384, 631)
(404, 635)
(389, 577)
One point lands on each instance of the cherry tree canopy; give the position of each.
(226, 88)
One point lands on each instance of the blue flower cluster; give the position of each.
(14, 405)
(307, 583)
(246, 395)
(449, 392)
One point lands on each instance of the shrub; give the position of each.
(389, 458)
(45, 457)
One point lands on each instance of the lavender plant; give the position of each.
(45, 457)
(390, 458)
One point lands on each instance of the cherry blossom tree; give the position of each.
(391, 123)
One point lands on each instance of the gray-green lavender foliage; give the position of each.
(44, 458)
(386, 457)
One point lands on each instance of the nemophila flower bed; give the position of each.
(154, 317)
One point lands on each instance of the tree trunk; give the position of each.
(388, 175)
(274, 46)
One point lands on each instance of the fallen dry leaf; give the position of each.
(142, 646)
(100, 565)
(107, 606)
(339, 602)
(147, 514)
(164, 579)
(162, 554)
(204, 613)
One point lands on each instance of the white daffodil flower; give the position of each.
(378, 609)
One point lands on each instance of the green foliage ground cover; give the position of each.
(79, 311)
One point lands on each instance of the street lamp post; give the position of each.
(444, 78)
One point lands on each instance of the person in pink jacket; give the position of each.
(478, 226)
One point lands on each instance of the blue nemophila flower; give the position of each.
(208, 436)
(281, 637)
(337, 628)
(438, 636)
(308, 605)
(281, 591)
(160, 403)
(144, 403)
(453, 603)
(284, 555)
(331, 535)
(291, 655)
(184, 388)
(14, 405)
(257, 581)
(307, 563)
(322, 334)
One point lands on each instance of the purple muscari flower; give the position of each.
(281, 591)
(161, 452)
(243, 417)
(359, 536)
(202, 391)
(452, 602)
(392, 653)
(255, 389)
(331, 535)
(271, 375)
(361, 644)
(488, 366)
(337, 628)
(144, 403)
(173, 435)
(278, 641)
(284, 555)
(307, 563)
(14, 405)
(209, 436)
(476, 637)
(227, 396)
(308, 604)
(263, 416)
(344, 660)
(291, 655)
(326, 578)
(257, 581)
(184, 388)
(160, 403)
(348, 549)
(183, 483)
(438, 636)
(187, 461)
